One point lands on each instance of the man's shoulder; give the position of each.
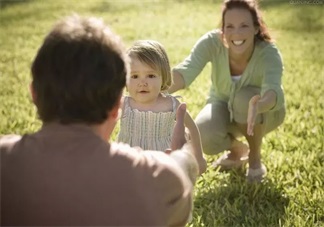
(7, 142)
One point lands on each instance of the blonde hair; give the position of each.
(153, 53)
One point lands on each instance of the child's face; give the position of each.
(144, 84)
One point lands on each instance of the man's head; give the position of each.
(79, 72)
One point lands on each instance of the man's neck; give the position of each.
(104, 129)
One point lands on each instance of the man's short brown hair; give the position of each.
(79, 72)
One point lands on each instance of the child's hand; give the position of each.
(187, 162)
(202, 165)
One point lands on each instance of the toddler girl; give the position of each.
(148, 114)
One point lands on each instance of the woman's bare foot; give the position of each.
(236, 158)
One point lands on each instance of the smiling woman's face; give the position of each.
(239, 31)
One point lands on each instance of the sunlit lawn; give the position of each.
(293, 193)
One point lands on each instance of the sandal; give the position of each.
(256, 175)
(226, 164)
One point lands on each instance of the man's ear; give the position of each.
(32, 92)
(115, 111)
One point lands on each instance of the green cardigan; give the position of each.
(264, 69)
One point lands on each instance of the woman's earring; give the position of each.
(256, 31)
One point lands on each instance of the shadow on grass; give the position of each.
(239, 203)
(7, 3)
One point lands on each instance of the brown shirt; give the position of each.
(66, 175)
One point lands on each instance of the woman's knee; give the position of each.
(274, 120)
(213, 144)
(243, 96)
(213, 123)
(241, 103)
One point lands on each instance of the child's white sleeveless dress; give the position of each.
(147, 129)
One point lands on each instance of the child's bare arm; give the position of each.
(195, 140)
(182, 152)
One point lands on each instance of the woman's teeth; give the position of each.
(238, 43)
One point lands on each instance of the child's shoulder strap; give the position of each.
(126, 101)
(175, 102)
(125, 105)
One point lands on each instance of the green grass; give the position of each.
(293, 193)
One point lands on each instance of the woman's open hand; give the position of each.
(252, 114)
